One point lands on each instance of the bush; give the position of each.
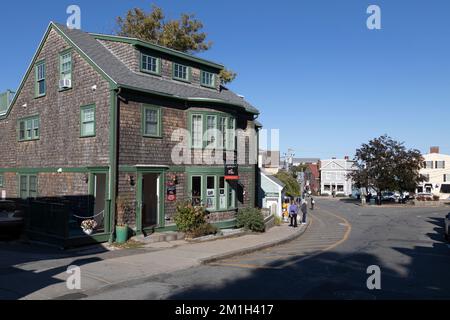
(278, 221)
(204, 230)
(436, 198)
(251, 219)
(189, 218)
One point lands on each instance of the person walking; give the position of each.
(293, 212)
(313, 202)
(304, 209)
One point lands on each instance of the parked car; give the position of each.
(447, 227)
(389, 196)
(11, 220)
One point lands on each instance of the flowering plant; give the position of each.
(89, 225)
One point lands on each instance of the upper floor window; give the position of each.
(150, 64)
(151, 121)
(29, 129)
(440, 164)
(213, 130)
(446, 177)
(40, 79)
(180, 72)
(428, 165)
(87, 124)
(207, 79)
(65, 70)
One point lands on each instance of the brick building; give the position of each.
(97, 117)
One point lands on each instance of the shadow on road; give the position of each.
(336, 276)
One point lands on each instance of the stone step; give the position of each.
(161, 237)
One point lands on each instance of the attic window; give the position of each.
(40, 79)
(180, 72)
(150, 64)
(207, 79)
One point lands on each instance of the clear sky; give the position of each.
(311, 66)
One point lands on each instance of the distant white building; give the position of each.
(334, 176)
(436, 169)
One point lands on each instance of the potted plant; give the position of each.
(121, 226)
(88, 226)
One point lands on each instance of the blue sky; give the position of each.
(312, 67)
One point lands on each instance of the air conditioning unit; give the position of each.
(65, 83)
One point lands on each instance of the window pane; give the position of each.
(149, 63)
(33, 186)
(223, 132)
(207, 78)
(23, 187)
(197, 130)
(41, 85)
(151, 122)
(180, 71)
(222, 194)
(22, 130)
(211, 192)
(88, 128)
(196, 191)
(210, 127)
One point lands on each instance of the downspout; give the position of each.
(113, 161)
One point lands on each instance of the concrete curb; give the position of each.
(263, 246)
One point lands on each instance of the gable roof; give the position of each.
(126, 78)
(115, 71)
(274, 179)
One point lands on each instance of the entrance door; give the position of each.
(100, 198)
(150, 200)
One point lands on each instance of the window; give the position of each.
(88, 121)
(327, 187)
(446, 177)
(29, 129)
(150, 64)
(211, 192)
(196, 186)
(211, 130)
(180, 72)
(223, 132)
(428, 164)
(440, 164)
(28, 186)
(40, 79)
(151, 123)
(2, 181)
(65, 66)
(340, 188)
(231, 134)
(222, 194)
(197, 131)
(207, 79)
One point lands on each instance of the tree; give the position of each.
(184, 35)
(385, 164)
(292, 188)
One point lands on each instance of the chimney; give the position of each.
(347, 158)
(434, 150)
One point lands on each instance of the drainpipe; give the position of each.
(113, 161)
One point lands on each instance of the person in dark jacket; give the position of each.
(293, 212)
(304, 209)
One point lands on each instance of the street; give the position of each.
(329, 261)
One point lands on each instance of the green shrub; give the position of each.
(204, 230)
(251, 219)
(278, 221)
(188, 218)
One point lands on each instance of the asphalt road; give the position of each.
(329, 261)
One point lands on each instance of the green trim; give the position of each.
(82, 123)
(148, 45)
(206, 85)
(24, 121)
(44, 170)
(158, 110)
(37, 80)
(113, 123)
(188, 72)
(158, 64)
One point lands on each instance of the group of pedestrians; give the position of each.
(297, 206)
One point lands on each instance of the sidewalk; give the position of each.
(47, 279)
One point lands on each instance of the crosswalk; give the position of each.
(325, 232)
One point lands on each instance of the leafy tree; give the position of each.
(292, 188)
(385, 164)
(184, 34)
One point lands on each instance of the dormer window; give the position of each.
(207, 79)
(180, 72)
(150, 64)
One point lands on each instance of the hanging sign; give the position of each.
(231, 172)
(171, 193)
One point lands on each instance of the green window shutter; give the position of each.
(87, 121)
